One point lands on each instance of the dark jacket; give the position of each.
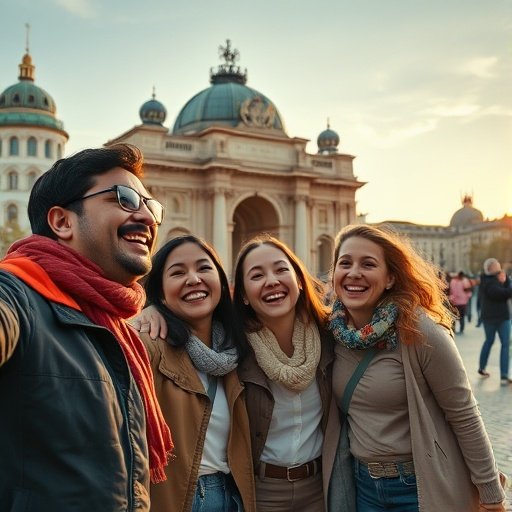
(72, 427)
(260, 402)
(493, 297)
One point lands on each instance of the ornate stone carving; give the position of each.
(254, 113)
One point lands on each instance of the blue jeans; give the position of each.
(217, 493)
(376, 494)
(503, 330)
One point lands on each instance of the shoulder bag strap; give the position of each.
(352, 383)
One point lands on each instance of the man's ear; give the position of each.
(61, 221)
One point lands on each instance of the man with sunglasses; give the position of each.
(80, 426)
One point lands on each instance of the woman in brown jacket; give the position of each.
(196, 382)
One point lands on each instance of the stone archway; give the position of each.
(252, 216)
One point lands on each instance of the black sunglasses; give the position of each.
(129, 200)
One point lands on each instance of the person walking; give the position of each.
(411, 425)
(495, 293)
(81, 428)
(195, 372)
(459, 295)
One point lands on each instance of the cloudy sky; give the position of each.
(419, 91)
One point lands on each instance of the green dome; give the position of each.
(26, 94)
(228, 102)
(25, 103)
(328, 141)
(153, 112)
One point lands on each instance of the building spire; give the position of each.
(26, 67)
(27, 26)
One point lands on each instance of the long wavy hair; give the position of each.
(311, 303)
(179, 331)
(418, 283)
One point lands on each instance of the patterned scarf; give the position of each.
(106, 303)
(296, 372)
(210, 360)
(380, 332)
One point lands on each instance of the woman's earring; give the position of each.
(246, 302)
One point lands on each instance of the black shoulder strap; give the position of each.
(352, 383)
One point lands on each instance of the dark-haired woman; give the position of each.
(196, 381)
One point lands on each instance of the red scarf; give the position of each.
(62, 275)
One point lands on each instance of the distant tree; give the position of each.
(9, 233)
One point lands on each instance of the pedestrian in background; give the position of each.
(415, 433)
(495, 293)
(459, 295)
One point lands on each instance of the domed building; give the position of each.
(467, 215)
(153, 112)
(32, 138)
(465, 243)
(328, 141)
(228, 170)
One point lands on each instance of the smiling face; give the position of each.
(270, 284)
(360, 278)
(120, 242)
(191, 285)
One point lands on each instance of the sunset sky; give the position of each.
(419, 92)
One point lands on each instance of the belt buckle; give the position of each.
(290, 479)
(374, 472)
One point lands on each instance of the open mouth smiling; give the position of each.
(274, 296)
(194, 296)
(354, 288)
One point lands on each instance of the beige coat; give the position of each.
(450, 446)
(186, 409)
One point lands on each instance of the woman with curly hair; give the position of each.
(415, 435)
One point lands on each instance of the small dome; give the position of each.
(328, 141)
(228, 102)
(27, 104)
(467, 215)
(153, 112)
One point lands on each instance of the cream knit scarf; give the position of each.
(296, 372)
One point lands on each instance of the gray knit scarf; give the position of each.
(210, 360)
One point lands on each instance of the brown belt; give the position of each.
(390, 469)
(294, 473)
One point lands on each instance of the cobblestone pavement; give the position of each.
(494, 399)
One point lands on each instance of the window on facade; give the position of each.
(14, 147)
(48, 149)
(12, 213)
(13, 180)
(31, 99)
(32, 176)
(59, 151)
(32, 146)
(16, 99)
